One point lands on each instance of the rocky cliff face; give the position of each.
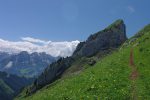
(51, 73)
(111, 37)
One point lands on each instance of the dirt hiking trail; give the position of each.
(133, 76)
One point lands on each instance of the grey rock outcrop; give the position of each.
(111, 37)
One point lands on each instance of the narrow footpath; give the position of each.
(133, 76)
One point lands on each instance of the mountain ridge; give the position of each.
(25, 64)
(101, 43)
(109, 78)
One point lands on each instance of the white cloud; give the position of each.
(33, 40)
(131, 9)
(36, 45)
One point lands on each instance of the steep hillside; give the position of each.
(123, 75)
(10, 85)
(25, 64)
(102, 43)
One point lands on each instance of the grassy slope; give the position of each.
(107, 79)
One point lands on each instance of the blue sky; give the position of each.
(67, 20)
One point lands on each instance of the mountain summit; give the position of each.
(111, 37)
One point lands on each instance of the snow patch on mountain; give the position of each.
(9, 65)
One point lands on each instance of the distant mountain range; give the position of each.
(25, 64)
